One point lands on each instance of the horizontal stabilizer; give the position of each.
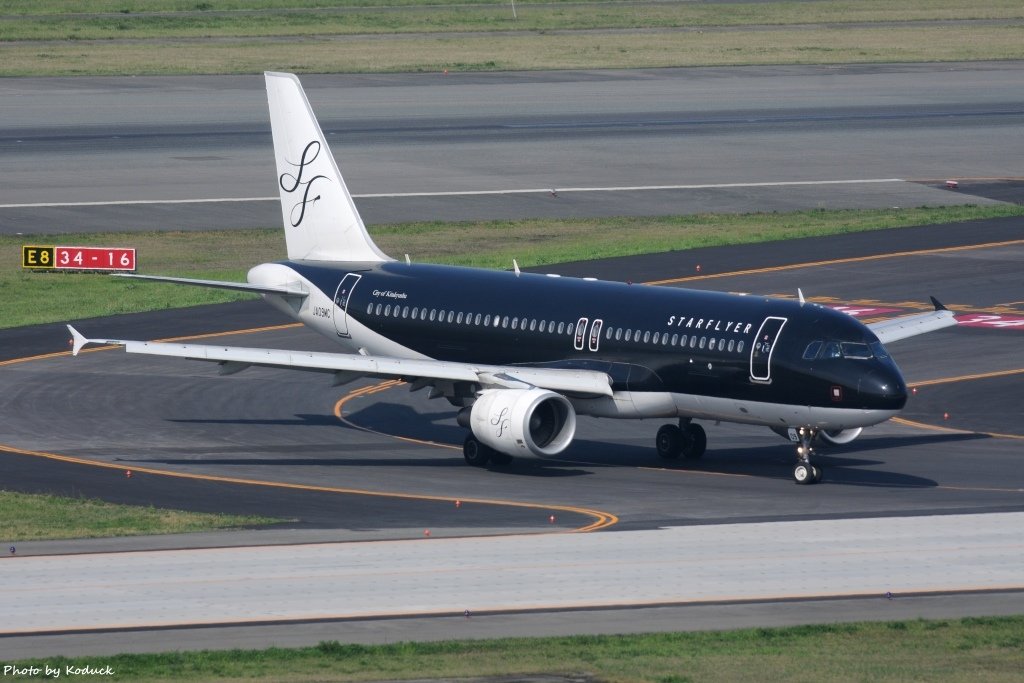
(220, 284)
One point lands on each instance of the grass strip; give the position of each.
(981, 650)
(87, 21)
(518, 51)
(37, 517)
(131, 37)
(227, 254)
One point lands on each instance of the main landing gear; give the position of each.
(480, 455)
(804, 472)
(687, 439)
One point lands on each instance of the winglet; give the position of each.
(938, 305)
(77, 340)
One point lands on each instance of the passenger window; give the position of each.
(487, 320)
(675, 338)
(451, 315)
(476, 321)
(568, 329)
(682, 340)
(647, 336)
(515, 323)
(387, 310)
(458, 318)
(440, 315)
(433, 314)
(732, 345)
(533, 324)
(664, 339)
(811, 352)
(405, 311)
(369, 310)
(721, 345)
(711, 345)
(618, 333)
(629, 335)
(703, 341)
(739, 347)
(561, 328)
(608, 333)
(657, 337)
(504, 322)
(693, 341)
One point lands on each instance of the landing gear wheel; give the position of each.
(500, 459)
(695, 442)
(805, 472)
(669, 442)
(475, 453)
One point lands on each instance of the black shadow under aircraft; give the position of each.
(522, 354)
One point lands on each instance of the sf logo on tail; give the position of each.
(309, 155)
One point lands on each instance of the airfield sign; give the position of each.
(37, 257)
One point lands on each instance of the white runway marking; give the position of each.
(398, 195)
(712, 563)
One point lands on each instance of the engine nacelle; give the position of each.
(523, 421)
(838, 437)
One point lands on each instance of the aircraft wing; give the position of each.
(220, 284)
(913, 325)
(349, 366)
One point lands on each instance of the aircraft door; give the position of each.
(341, 299)
(580, 341)
(763, 347)
(595, 334)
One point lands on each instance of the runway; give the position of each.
(368, 464)
(108, 154)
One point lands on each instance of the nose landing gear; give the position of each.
(805, 473)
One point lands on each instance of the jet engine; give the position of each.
(838, 437)
(522, 421)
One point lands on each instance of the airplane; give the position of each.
(522, 354)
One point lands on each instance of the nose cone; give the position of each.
(883, 388)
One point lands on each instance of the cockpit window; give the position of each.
(855, 350)
(811, 352)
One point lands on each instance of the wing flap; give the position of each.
(588, 382)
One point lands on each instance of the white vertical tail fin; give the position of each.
(320, 220)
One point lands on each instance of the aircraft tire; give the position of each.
(695, 442)
(669, 442)
(475, 453)
(499, 459)
(803, 474)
